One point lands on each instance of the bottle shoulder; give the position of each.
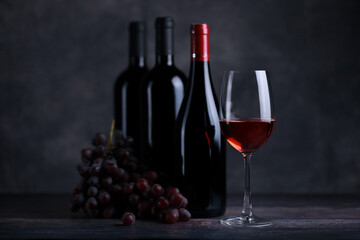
(194, 105)
(161, 74)
(200, 102)
(129, 78)
(132, 73)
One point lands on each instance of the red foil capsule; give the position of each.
(199, 42)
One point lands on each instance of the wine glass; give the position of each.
(247, 120)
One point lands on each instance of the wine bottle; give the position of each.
(162, 91)
(200, 160)
(127, 85)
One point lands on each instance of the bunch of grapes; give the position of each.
(115, 185)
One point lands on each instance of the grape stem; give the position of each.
(110, 139)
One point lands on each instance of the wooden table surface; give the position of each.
(45, 216)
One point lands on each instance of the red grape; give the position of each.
(98, 161)
(128, 188)
(110, 166)
(162, 203)
(87, 154)
(92, 191)
(104, 197)
(119, 174)
(94, 180)
(144, 206)
(171, 216)
(184, 215)
(184, 202)
(106, 182)
(122, 154)
(142, 184)
(83, 171)
(157, 190)
(91, 203)
(100, 151)
(128, 219)
(118, 138)
(79, 199)
(176, 200)
(99, 139)
(95, 169)
(170, 191)
(151, 176)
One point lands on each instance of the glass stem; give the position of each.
(247, 207)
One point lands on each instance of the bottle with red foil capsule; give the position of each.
(200, 155)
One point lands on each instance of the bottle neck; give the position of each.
(200, 47)
(200, 76)
(200, 67)
(137, 61)
(200, 72)
(165, 59)
(137, 44)
(164, 46)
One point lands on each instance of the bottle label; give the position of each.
(199, 42)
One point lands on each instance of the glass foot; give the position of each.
(246, 221)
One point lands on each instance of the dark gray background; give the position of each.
(59, 60)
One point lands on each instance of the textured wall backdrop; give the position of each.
(59, 60)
